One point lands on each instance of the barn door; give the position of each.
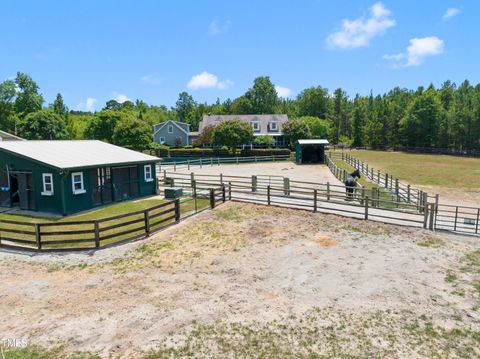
(25, 191)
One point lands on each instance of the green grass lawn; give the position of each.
(157, 220)
(428, 170)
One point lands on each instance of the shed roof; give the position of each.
(315, 141)
(5, 136)
(75, 154)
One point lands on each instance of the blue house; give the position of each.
(172, 133)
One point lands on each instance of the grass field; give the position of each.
(427, 170)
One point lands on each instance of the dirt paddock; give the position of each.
(308, 173)
(247, 281)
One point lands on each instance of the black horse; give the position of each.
(351, 183)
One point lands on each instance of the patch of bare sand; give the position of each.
(237, 264)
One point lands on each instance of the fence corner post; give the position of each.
(177, 210)
(212, 198)
(38, 236)
(97, 234)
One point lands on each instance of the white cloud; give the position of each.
(216, 28)
(359, 32)
(451, 12)
(149, 80)
(417, 51)
(283, 91)
(120, 98)
(88, 105)
(207, 80)
(395, 57)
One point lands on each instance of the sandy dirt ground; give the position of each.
(243, 279)
(307, 173)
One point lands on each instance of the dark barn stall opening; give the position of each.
(310, 151)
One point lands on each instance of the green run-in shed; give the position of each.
(310, 151)
(65, 177)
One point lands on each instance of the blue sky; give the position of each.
(92, 51)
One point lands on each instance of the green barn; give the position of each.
(65, 177)
(310, 151)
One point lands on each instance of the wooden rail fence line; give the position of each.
(94, 234)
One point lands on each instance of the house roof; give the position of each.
(315, 141)
(176, 123)
(5, 136)
(264, 120)
(75, 154)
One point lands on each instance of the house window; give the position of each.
(273, 126)
(170, 128)
(47, 184)
(162, 140)
(256, 126)
(77, 183)
(147, 171)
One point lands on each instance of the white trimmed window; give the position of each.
(147, 172)
(273, 126)
(78, 186)
(170, 128)
(162, 140)
(256, 126)
(47, 184)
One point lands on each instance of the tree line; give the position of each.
(448, 116)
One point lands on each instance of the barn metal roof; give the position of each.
(313, 142)
(75, 154)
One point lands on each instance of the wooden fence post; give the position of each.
(386, 180)
(286, 186)
(212, 198)
(192, 179)
(188, 164)
(425, 216)
(478, 218)
(456, 218)
(146, 219)
(177, 210)
(254, 183)
(366, 207)
(328, 191)
(174, 166)
(268, 195)
(223, 193)
(432, 215)
(408, 193)
(97, 234)
(229, 191)
(38, 236)
(315, 200)
(221, 178)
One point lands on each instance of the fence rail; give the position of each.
(212, 161)
(402, 191)
(89, 234)
(332, 198)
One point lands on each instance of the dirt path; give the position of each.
(238, 264)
